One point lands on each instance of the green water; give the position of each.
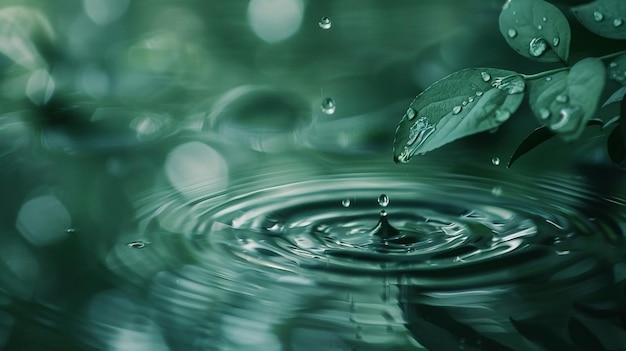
(212, 175)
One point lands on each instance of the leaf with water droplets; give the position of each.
(541, 31)
(569, 99)
(617, 69)
(603, 17)
(464, 103)
(538, 137)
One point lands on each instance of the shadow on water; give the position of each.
(212, 176)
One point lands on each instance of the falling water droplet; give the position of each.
(328, 106)
(544, 113)
(410, 113)
(383, 200)
(345, 202)
(456, 110)
(537, 47)
(562, 98)
(512, 33)
(556, 41)
(139, 244)
(502, 115)
(495, 161)
(598, 16)
(617, 22)
(325, 23)
(485, 76)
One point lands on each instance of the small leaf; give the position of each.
(615, 97)
(536, 29)
(615, 146)
(565, 101)
(606, 18)
(617, 69)
(538, 137)
(464, 103)
(611, 122)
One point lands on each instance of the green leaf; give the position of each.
(617, 69)
(538, 137)
(24, 32)
(618, 95)
(536, 29)
(565, 101)
(464, 103)
(606, 18)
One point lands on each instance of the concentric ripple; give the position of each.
(474, 258)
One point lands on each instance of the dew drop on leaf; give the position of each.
(383, 200)
(544, 113)
(464, 103)
(540, 27)
(562, 98)
(485, 76)
(325, 23)
(598, 16)
(495, 161)
(479, 93)
(617, 22)
(410, 113)
(419, 131)
(136, 244)
(545, 19)
(537, 47)
(548, 79)
(328, 106)
(512, 33)
(502, 115)
(456, 110)
(470, 99)
(345, 202)
(513, 84)
(567, 115)
(556, 41)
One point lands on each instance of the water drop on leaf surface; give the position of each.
(456, 110)
(544, 113)
(617, 22)
(556, 41)
(485, 76)
(562, 98)
(537, 47)
(598, 16)
(328, 106)
(495, 161)
(512, 33)
(502, 115)
(410, 113)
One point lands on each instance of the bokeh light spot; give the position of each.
(275, 20)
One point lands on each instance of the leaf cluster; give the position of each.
(564, 100)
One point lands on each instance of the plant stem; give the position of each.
(556, 70)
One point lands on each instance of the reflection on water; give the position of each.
(210, 177)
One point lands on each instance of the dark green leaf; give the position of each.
(617, 69)
(536, 29)
(611, 122)
(618, 95)
(538, 137)
(615, 146)
(606, 18)
(565, 101)
(464, 103)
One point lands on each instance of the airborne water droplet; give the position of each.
(556, 41)
(562, 98)
(345, 202)
(495, 161)
(325, 23)
(512, 33)
(537, 47)
(502, 115)
(328, 106)
(456, 110)
(410, 113)
(617, 22)
(598, 16)
(544, 113)
(383, 200)
(485, 76)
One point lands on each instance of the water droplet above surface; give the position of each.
(410, 113)
(512, 33)
(328, 106)
(383, 200)
(325, 23)
(345, 202)
(537, 47)
(485, 76)
(618, 22)
(598, 16)
(495, 161)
